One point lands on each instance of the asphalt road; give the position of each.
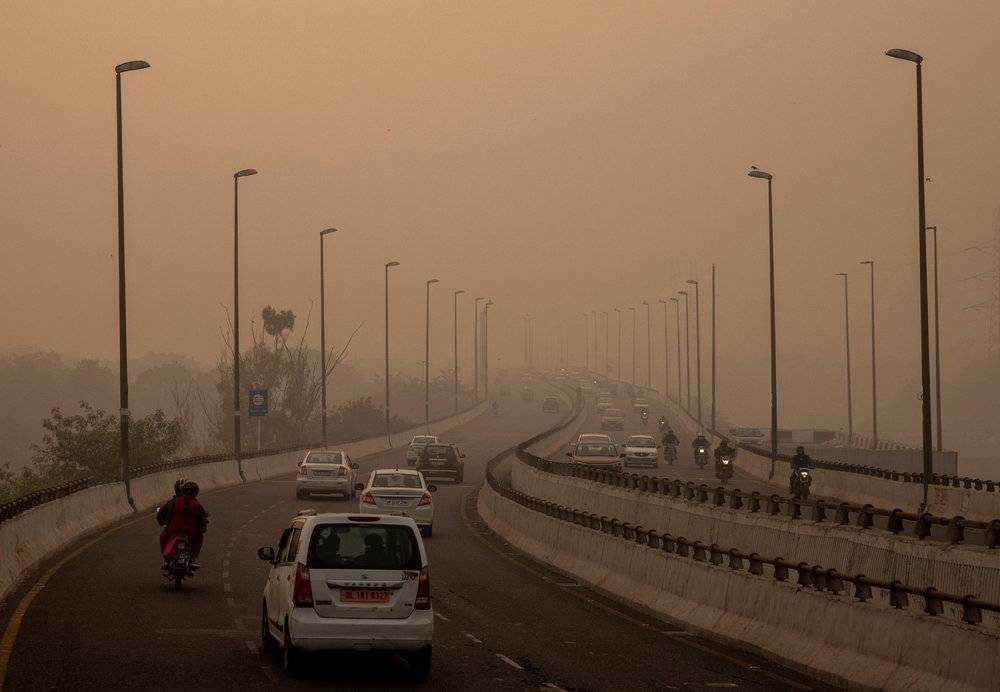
(106, 620)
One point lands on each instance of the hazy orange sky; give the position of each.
(557, 156)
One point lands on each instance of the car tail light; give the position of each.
(425, 500)
(367, 498)
(302, 469)
(423, 601)
(302, 593)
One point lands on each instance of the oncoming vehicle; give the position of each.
(591, 437)
(754, 437)
(641, 450)
(598, 454)
(640, 404)
(418, 443)
(613, 419)
(550, 404)
(326, 471)
(442, 460)
(604, 403)
(399, 493)
(351, 583)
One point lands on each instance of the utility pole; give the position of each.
(871, 266)
(697, 341)
(713, 350)
(847, 339)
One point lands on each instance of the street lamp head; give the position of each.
(683, 293)
(431, 281)
(618, 310)
(391, 264)
(130, 66)
(327, 231)
(460, 291)
(245, 172)
(692, 281)
(675, 300)
(843, 274)
(663, 301)
(931, 228)
(645, 303)
(757, 173)
(872, 262)
(903, 54)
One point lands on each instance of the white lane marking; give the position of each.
(225, 574)
(477, 641)
(720, 684)
(439, 616)
(550, 686)
(510, 662)
(226, 587)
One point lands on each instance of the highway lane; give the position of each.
(107, 621)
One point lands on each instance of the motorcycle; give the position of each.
(662, 422)
(670, 453)
(177, 560)
(701, 457)
(645, 418)
(801, 480)
(724, 469)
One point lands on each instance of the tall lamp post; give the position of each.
(486, 348)
(937, 343)
(123, 410)
(586, 342)
(457, 294)
(427, 359)
(388, 417)
(871, 266)
(475, 344)
(677, 304)
(697, 343)
(633, 344)
(847, 339)
(666, 354)
(606, 342)
(687, 349)
(322, 328)
(237, 398)
(925, 348)
(649, 350)
(756, 173)
(619, 352)
(713, 350)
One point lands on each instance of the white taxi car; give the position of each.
(417, 444)
(326, 471)
(641, 450)
(399, 493)
(348, 582)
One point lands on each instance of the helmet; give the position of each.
(800, 450)
(178, 485)
(189, 488)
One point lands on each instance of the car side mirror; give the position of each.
(355, 465)
(266, 554)
(462, 455)
(359, 486)
(432, 488)
(622, 456)
(569, 454)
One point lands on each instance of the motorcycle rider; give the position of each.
(724, 451)
(801, 460)
(496, 407)
(670, 438)
(184, 515)
(699, 443)
(645, 416)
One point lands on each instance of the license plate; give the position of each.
(397, 503)
(438, 462)
(363, 596)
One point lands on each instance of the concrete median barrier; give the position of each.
(832, 637)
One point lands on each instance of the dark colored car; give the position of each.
(442, 460)
(550, 405)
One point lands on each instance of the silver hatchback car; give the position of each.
(326, 471)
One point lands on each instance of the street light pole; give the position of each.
(677, 304)
(755, 173)
(713, 351)
(925, 359)
(475, 344)
(486, 348)
(388, 417)
(123, 410)
(606, 342)
(697, 343)
(427, 359)
(237, 397)
(322, 328)
(847, 338)
(871, 266)
(937, 343)
(649, 349)
(633, 345)
(457, 294)
(687, 349)
(586, 343)
(666, 354)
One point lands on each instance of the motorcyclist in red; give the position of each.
(184, 515)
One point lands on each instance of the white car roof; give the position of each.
(593, 436)
(642, 438)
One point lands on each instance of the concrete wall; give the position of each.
(832, 637)
(42, 531)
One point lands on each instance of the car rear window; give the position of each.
(594, 449)
(424, 440)
(324, 458)
(613, 412)
(439, 452)
(363, 546)
(396, 480)
(641, 442)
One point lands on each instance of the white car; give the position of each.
(418, 443)
(604, 403)
(641, 450)
(399, 493)
(639, 403)
(613, 419)
(326, 471)
(592, 437)
(350, 583)
(754, 437)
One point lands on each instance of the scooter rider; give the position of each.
(700, 443)
(724, 451)
(670, 438)
(801, 460)
(184, 515)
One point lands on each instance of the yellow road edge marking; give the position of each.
(624, 616)
(14, 623)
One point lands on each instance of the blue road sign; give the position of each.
(258, 402)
